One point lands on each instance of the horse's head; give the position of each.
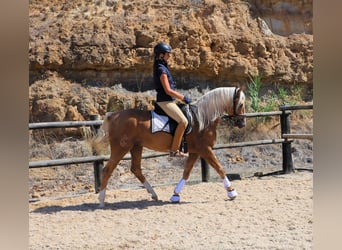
(239, 102)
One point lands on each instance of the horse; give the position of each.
(129, 130)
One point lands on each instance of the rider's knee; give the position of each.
(183, 123)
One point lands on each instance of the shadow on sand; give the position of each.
(141, 204)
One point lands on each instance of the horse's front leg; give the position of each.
(175, 198)
(211, 159)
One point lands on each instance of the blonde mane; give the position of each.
(213, 104)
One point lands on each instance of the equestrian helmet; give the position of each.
(161, 48)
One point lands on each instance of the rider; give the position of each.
(167, 94)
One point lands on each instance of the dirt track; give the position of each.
(273, 212)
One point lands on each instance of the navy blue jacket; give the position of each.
(160, 68)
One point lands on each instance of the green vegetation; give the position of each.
(254, 91)
(272, 99)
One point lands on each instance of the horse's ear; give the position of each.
(238, 91)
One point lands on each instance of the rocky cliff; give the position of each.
(215, 43)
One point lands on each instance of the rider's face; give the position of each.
(166, 56)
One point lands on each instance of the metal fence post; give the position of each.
(205, 170)
(98, 165)
(286, 145)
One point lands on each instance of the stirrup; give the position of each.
(178, 154)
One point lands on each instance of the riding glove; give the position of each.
(187, 99)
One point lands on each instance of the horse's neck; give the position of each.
(217, 105)
(212, 124)
(214, 105)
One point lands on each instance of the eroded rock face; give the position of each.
(286, 17)
(80, 50)
(215, 42)
(56, 99)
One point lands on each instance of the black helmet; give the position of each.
(161, 48)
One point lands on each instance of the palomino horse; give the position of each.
(130, 130)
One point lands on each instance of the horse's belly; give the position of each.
(135, 127)
(159, 141)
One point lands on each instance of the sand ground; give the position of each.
(271, 212)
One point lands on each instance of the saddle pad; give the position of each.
(159, 123)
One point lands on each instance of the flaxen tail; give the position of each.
(100, 142)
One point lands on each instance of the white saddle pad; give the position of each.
(160, 123)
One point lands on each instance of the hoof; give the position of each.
(101, 205)
(232, 194)
(175, 198)
(154, 197)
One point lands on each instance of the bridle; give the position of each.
(235, 117)
(234, 101)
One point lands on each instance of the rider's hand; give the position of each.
(187, 99)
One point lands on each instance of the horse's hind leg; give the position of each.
(115, 157)
(136, 153)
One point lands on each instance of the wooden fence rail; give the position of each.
(98, 160)
(66, 124)
(88, 159)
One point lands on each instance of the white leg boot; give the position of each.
(232, 194)
(175, 198)
(102, 195)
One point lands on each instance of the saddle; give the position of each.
(162, 122)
